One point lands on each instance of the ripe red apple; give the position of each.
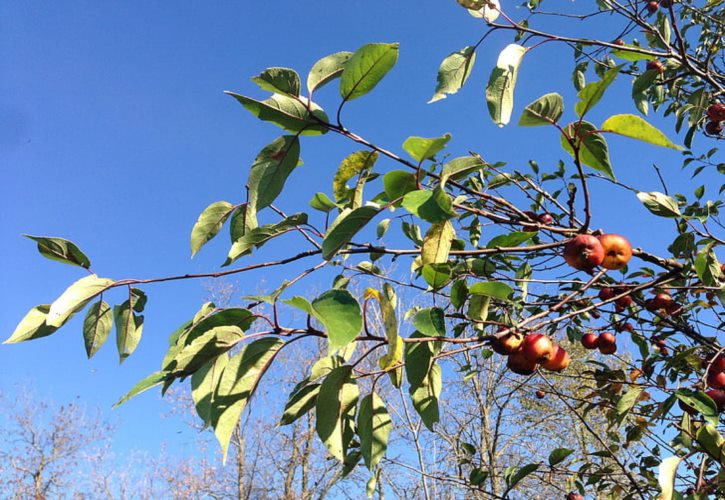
(619, 42)
(509, 343)
(574, 496)
(607, 293)
(719, 364)
(650, 305)
(655, 65)
(713, 128)
(617, 251)
(716, 112)
(540, 394)
(558, 362)
(663, 300)
(717, 395)
(537, 348)
(652, 7)
(716, 380)
(545, 219)
(519, 364)
(590, 340)
(583, 252)
(607, 343)
(624, 302)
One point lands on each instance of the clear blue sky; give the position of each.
(115, 133)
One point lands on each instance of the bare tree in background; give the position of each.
(45, 451)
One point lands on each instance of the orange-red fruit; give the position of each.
(540, 394)
(537, 348)
(520, 364)
(545, 219)
(574, 496)
(590, 341)
(607, 343)
(606, 293)
(717, 395)
(583, 252)
(716, 112)
(617, 251)
(652, 7)
(716, 380)
(656, 65)
(608, 349)
(509, 343)
(558, 362)
(713, 128)
(662, 300)
(624, 302)
(650, 305)
(619, 42)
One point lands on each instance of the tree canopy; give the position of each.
(518, 296)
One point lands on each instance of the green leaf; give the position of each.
(321, 202)
(707, 266)
(712, 442)
(243, 220)
(75, 298)
(453, 72)
(501, 84)
(432, 206)
(559, 455)
(373, 427)
(627, 402)
(495, 289)
(338, 396)
(367, 66)
(32, 326)
(546, 110)
(430, 322)
(637, 128)
(425, 396)
(259, 236)
(270, 170)
(237, 384)
(341, 316)
(355, 163)
(592, 93)
(327, 69)
(300, 402)
(60, 250)
(204, 348)
(593, 150)
(209, 224)
(382, 228)
(129, 328)
(460, 167)
(666, 477)
(520, 474)
(436, 275)
(204, 382)
(287, 113)
(347, 225)
(437, 243)
(156, 378)
(700, 402)
(398, 183)
(510, 240)
(425, 148)
(279, 81)
(628, 55)
(659, 204)
(97, 326)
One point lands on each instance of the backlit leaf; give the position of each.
(75, 298)
(367, 66)
(637, 128)
(453, 72)
(60, 250)
(501, 84)
(209, 224)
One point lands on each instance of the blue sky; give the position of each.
(115, 133)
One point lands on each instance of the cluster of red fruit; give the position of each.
(606, 342)
(716, 115)
(663, 303)
(585, 252)
(525, 354)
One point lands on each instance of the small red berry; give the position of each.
(652, 7)
(656, 65)
(545, 219)
(716, 112)
(713, 128)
